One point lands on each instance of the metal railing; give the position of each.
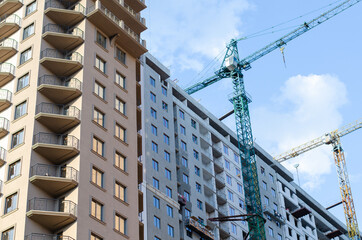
(135, 14)
(4, 123)
(2, 153)
(65, 5)
(53, 53)
(7, 68)
(51, 27)
(41, 236)
(52, 205)
(10, 19)
(220, 178)
(58, 109)
(60, 81)
(54, 171)
(9, 42)
(5, 95)
(57, 139)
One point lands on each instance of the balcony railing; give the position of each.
(9, 42)
(41, 236)
(65, 5)
(1, 187)
(57, 139)
(57, 109)
(60, 81)
(7, 68)
(5, 95)
(10, 19)
(63, 29)
(54, 171)
(53, 53)
(2, 153)
(52, 205)
(135, 14)
(4, 123)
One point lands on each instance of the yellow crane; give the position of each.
(333, 138)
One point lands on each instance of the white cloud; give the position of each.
(306, 108)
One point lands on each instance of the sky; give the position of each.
(315, 91)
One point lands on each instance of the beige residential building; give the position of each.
(70, 152)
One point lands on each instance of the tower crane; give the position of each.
(232, 67)
(333, 138)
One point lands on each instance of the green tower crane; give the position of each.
(232, 67)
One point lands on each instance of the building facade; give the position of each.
(70, 91)
(192, 173)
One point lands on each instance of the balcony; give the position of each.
(57, 148)
(63, 38)
(9, 6)
(224, 230)
(61, 63)
(111, 25)
(2, 156)
(4, 127)
(8, 48)
(137, 5)
(140, 201)
(201, 229)
(1, 188)
(58, 118)
(5, 99)
(273, 214)
(7, 73)
(64, 13)
(140, 172)
(55, 180)
(9, 25)
(220, 181)
(221, 197)
(52, 214)
(59, 90)
(42, 236)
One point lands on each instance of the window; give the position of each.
(194, 139)
(197, 171)
(121, 133)
(156, 222)
(154, 147)
(189, 232)
(154, 164)
(185, 178)
(233, 228)
(166, 139)
(168, 174)
(23, 82)
(11, 203)
(152, 81)
(154, 113)
(182, 130)
(275, 207)
(271, 232)
(8, 234)
(120, 161)
(156, 202)
(31, 7)
(271, 177)
(97, 177)
(184, 162)
(262, 170)
(95, 237)
(168, 192)
(228, 179)
(196, 155)
(120, 223)
(167, 156)
(274, 194)
(231, 211)
(199, 204)
(120, 191)
(101, 64)
(226, 150)
(152, 97)
(164, 91)
(187, 196)
(14, 170)
(120, 105)
(183, 146)
(98, 117)
(164, 106)
(169, 211)
(193, 123)
(236, 158)
(17, 138)
(170, 230)
(187, 213)
(20, 110)
(98, 146)
(280, 237)
(230, 195)
(25, 56)
(227, 164)
(120, 55)
(241, 203)
(165, 122)
(29, 30)
(198, 187)
(120, 80)
(99, 90)
(97, 210)
(266, 200)
(101, 40)
(238, 172)
(240, 188)
(265, 186)
(156, 183)
(156, 238)
(182, 114)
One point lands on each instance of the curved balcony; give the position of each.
(9, 6)
(59, 90)
(2, 156)
(8, 48)
(4, 127)
(137, 5)
(64, 13)
(58, 118)
(55, 180)
(61, 64)
(7, 73)
(42, 236)
(9, 25)
(57, 148)
(62, 37)
(52, 214)
(5, 99)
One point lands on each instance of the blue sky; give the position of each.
(318, 91)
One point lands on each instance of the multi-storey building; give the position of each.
(69, 78)
(192, 173)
